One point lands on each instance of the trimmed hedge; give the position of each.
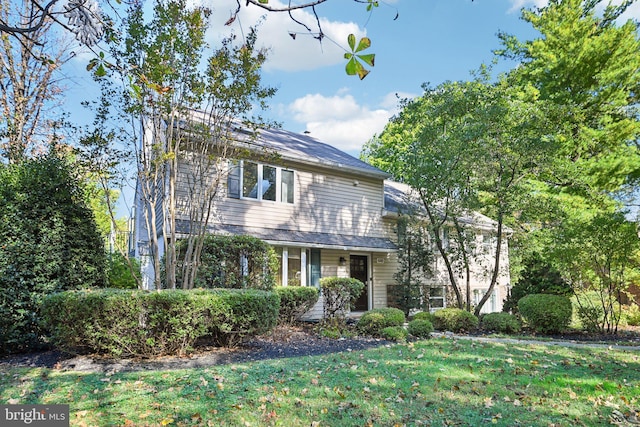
(424, 315)
(295, 301)
(339, 293)
(374, 321)
(454, 320)
(546, 313)
(394, 333)
(501, 322)
(420, 328)
(134, 323)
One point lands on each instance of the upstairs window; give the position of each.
(251, 180)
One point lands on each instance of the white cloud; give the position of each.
(340, 121)
(303, 53)
(516, 5)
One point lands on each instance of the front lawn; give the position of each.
(434, 382)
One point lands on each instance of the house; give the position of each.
(325, 213)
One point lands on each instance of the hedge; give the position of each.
(546, 313)
(454, 320)
(134, 323)
(295, 301)
(374, 321)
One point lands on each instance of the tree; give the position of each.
(464, 147)
(28, 85)
(50, 243)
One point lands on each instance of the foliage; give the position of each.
(420, 328)
(454, 320)
(424, 315)
(339, 294)
(632, 314)
(394, 333)
(546, 313)
(232, 262)
(133, 323)
(119, 274)
(590, 313)
(49, 243)
(356, 58)
(415, 259)
(501, 323)
(295, 301)
(538, 277)
(374, 321)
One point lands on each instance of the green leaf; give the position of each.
(101, 72)
(365, 43)
(351, 39)
(352, 67)
(368, 58)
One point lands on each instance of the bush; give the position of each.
(49, 242)
(546, 313)
(590, 314)
(339, 294)
(119, 273)
(394, 333)
(232, 262)
(420, 328)
(501, 322)
(424, 315)
(125, 323)
(374, 321)
(454, 320)
(632, 314)
(295, 301)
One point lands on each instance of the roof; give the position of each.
(301, 238)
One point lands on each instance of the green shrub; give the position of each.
(420, 328)
(546, 313)
(454, 320)
(632, 314)
(295, 301)
(394, 333)
(125, 323)
(424, 315)
(590, 314)
(232, 262)
(373, 321)
(501, 322)
(49, 242)
(339, 294)
(119, 273)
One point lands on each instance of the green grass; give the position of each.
(434, 382)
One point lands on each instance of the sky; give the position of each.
(415, 42)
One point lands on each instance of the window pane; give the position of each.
(268, 183)
(250, 180)
(286, 195)
(436, 292)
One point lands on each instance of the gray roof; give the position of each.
(308, 150)
(300, 238)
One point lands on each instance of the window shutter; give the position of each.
(233, 180)
(315, 267)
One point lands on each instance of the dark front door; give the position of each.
(360, 270)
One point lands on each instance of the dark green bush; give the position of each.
(424, 315)
(374, 321)
(454, 320)
(501, 322)
(119, 273)
(295, 301)
(339, 294)
(394, 333)
(124, 323)
(546, 313)
(49, 242)
(232, 262)
(420, 328)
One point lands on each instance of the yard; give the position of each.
(435, 382)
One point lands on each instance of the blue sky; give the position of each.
(430, 41)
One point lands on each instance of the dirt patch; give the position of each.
(296, 341)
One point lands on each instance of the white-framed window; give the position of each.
(252, 180)
(436, 298)
(298, 266)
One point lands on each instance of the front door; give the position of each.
(360, 270)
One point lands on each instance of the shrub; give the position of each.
(124, 323)
(295, 301)
(119, 273)
(420, 328)
(49, 242)
(501, 322)
(373, 321)
(394, 333)
(454, 320)
(595, 312)
(632, 314)
(339, 294)
(546, 313)
(424, 315)
(233, 262)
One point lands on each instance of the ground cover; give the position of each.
(433, 382)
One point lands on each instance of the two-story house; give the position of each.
(325, 213)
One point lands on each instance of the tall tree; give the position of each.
(29, 84)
